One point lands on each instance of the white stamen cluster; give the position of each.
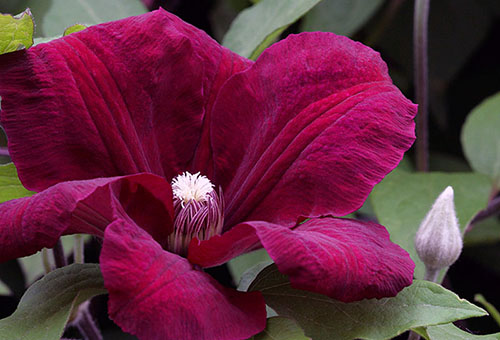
(187, 187)
(198, 211)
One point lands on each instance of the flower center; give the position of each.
(198, 211)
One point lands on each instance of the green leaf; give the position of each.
(16, 32)
(73, 29)
(402, 200)
(450, 331)
(481, 140)
(258, 26)
(422, 304)
(279, 328)
(53, 17)
(239, 265)
(46, 306)
(10, 186)
(343, 17)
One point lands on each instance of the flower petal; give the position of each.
(32, 223)
(221, 248)
(155, 294)
(114, 99)
(308, 130)
(346, 259)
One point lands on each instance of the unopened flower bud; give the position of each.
(438, 241)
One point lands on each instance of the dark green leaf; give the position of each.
(279, 328)
(54, 16)
(46, 306)
(481, 138)
(402, 200)
(449, 331)
(16, 32)
(422, 304)
(342, 17)
(242, 263)
(258, 26)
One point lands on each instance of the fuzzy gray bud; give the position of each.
(438, 241)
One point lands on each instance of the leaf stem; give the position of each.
(420, 55)
(59, 258)
(489, 307)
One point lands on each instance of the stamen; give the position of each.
(198, 211)
(187, 187)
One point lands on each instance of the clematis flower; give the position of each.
(182, 155)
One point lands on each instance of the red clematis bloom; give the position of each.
(112, 124)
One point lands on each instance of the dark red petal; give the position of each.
(221, 248)
(348, 260)
(155, 294)
(308, 130)
(32, 223)
(114, 99)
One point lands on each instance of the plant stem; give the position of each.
(420, 20)
(78, 252)
(59, 258)
(86, 324)
(47, 267)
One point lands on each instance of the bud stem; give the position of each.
(431, 274)
(420, 19)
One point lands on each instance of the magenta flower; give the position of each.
(112, 125)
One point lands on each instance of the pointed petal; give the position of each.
(155, 294)
(32, 223)
(346, 259)
(85, 106)
(308, 130)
